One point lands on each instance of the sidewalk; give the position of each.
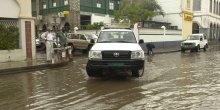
(166, 50)
(31, 65)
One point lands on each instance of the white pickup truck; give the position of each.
(116, 51)
(195, 42)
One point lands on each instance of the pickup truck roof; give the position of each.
(117, 30)
(197, 34)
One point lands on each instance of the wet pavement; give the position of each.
(185, 81)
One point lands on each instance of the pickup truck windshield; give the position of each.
(116, 37)
(194, 37)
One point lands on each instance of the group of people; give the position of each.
(51, 39)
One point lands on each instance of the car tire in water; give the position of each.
(93, 72)
(138, 73)
(197, 48)
(182, 50)
(72, 48)
(205, 47)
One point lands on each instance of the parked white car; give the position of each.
(195, 42)
(116, 50)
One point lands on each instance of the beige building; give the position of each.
(18, 13)
(187, 18)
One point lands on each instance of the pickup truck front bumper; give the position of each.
(116, 64)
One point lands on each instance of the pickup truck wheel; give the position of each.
(205, 47)
(182, 50)
(72, 48)
(138, 73)
(93, 72)
(197, 48)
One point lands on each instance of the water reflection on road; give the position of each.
(171, 81)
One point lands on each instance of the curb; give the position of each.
(167, 52)
(33, 68)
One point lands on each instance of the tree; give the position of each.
(137, 10)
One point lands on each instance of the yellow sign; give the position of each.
(66, 12)
(188, 17)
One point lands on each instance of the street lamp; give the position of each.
(164, 33)
(164, 30)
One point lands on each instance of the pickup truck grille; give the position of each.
(188, 44)
(116, 55)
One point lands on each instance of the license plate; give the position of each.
(116, 64)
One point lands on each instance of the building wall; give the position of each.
(172, 12)
(187, 17)
(50, 13)
(175, 12)
(106, 19)
(208, 20)
(9, 9)
(98, 14)
(20, 9)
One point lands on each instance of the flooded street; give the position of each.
(185, 81)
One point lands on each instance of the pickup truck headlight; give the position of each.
(95, 54)
(137, 55)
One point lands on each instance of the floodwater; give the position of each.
(184, 81)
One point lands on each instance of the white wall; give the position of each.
(9, 9)
(159, 31)
(161, 38)
(172, 12)
(12, 55)
(101, 18)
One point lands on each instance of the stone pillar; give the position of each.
(27, 29)
(25, 8)
(74, 16)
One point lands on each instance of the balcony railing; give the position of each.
(96, 10)
(54, 10)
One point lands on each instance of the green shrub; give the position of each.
(94, 26)
(9, 37)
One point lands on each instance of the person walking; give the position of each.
(150, 47)
(49, 37)
(62, 38)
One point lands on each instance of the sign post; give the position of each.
(139, 26)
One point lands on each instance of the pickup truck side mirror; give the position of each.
(92, 41)
(141, 41)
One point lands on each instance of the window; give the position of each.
(196, 5)
(116, 37)
(210, 8)
(111, 5)
(99, 3)
(44, 5)
(214, 7)
(82, 37)
(54, 3)
(188, 4)
(73, 36)
(66, 2)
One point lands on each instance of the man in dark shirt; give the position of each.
(150, 47)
